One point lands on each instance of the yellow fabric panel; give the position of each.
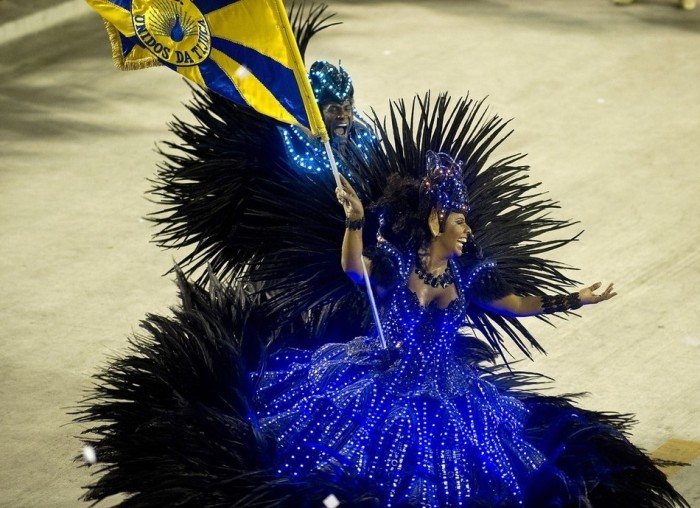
(117, 16)
(253, 91)
(313, 113)
(254, 24)
(193, 74)
(139, 53)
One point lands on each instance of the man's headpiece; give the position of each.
(330, 84)
(443, 187)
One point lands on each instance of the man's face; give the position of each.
(338, 118)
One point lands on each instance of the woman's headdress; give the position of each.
(443, 186)
(330, 84)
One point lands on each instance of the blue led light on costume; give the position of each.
(309, 155)
(425, 427)
(479, 271)
(305, 152)
(392, 252)
(330, 84)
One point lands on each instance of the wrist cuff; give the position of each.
(560, 303)
(354, 224)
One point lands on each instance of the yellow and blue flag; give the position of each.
(243, 50)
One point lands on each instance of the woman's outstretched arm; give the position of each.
(521, 306)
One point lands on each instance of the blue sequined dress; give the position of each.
(422, 423)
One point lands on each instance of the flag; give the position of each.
(243, 50)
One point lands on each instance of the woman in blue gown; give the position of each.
(420, 418)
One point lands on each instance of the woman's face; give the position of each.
(455, 233)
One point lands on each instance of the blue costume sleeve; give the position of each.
(389, 266)
(486, 283)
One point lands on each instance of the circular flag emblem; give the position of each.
(173, 30)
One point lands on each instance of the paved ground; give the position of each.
(604, 100)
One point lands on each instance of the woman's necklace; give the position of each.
(443, 280)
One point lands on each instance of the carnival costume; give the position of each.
(330, 85)
(269, 387)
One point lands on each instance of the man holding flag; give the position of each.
(350, 135)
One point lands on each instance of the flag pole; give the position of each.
(365, 275)
(318, 128)
(373, 304)
(331, 158)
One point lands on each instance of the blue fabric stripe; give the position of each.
(207, 6)
(217, 80)
(124, 4)
(277, 78)
(128, 43)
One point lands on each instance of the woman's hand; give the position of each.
(351, 258)
(348, 198)
(588, 296)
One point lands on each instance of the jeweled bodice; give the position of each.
(422, 339)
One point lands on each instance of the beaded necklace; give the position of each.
(444, 279)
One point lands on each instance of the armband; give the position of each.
(560, 303)
(354, 225)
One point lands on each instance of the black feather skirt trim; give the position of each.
(173, 423)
